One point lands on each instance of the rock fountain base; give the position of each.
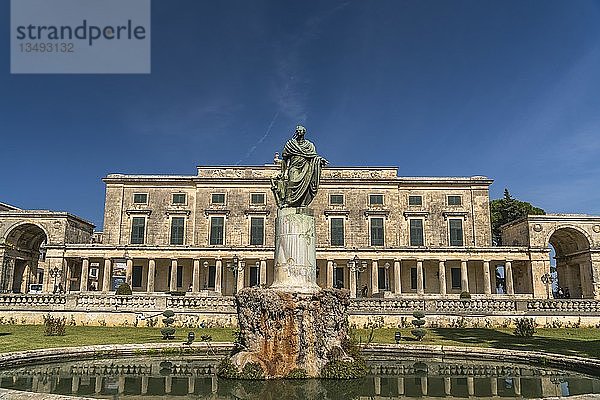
(291, 334)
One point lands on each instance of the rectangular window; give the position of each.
(136, 276)
(377, 234)
(415, 200)
(454, 200)
(416, 232)
(140, 198)
(257, 198)
(455, 272)
(257, 231)
(413, 278)
(217, 225)
(337, 231)
(456, 232)
(218, 198)
(138, 227)
(336, 199)
(177, 227)
(376, 199)
(178, 198)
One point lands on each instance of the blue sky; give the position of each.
(507, 89)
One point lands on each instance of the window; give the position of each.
(337, 231)
(413, 278)
(178, 198)
(138, 228)
(177, 228)
(416, 232)
(217, 225)
(140, 198)
(218, 198)
(377, 238)
(336, 199)
(257, 231)
(256, 198)
(376, 199)
(180, 276)
(456, 232)
(454, 200)
(456, 281)
(136, 276)
(338, 277)
(255, 275)
(415, 200)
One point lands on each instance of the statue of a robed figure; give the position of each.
(297, 183)
(293, 325)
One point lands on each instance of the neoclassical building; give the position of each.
(378, 235)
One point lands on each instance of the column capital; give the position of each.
(508, 261)
(486, 261)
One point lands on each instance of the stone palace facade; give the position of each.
(378, 235)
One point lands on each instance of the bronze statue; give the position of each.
(297, 183)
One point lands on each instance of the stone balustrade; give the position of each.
(225, 305)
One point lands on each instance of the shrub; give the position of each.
(168, 332)
(123, 290)
(418, 323)
(465, 295)
(525, 327)
(226, 369)
(252, 371)
(297, 373)
(54, 326)
(339, 369)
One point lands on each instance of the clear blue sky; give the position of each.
(507, 89)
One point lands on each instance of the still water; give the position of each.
(193, 378)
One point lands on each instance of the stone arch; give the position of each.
(573, 260)
(22, 244)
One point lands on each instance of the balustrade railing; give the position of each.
(214, 304)
(564, 306)
(478, 306)
(89, 301)
(31, 300)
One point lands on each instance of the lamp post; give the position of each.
(386, 266)
(235, 266)
(55, 273)
(547, 280)
(357, 266)
(206, 273)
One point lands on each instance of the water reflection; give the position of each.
(178, 378)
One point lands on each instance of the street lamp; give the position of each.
(357, 267)
(205, 265)
(55, 274)
(386, 266)
(235, 266)
(547, 280)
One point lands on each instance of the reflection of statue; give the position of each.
(297, 183)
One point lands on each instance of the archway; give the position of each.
(573, 262)
(23, 249)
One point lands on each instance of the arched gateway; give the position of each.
(573, 261)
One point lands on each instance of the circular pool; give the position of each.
(395, 372)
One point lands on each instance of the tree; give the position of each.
(509, 209)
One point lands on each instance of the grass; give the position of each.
(29, 337)
(571, 341)
(584, 342)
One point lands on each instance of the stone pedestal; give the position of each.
(295, 253)
(283, 331)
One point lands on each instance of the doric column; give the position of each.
(420, 283)
(191, 384)
(470, 385)
(374, 277)
(151, 273)
(517, 385)
(196, 276)
(74, 384)
(400, 386)
(487, 283)
(510, 289)
(218, 274)
(85, 272)
(464, 276)
(329, 282)
(173, 283)
(442, 276)
(424, 385)
(241, 274)
(168, 384)
(397, 277)
(98, 384)
(494, 386)
(263, 273)
(377, 385)
(352, 279)
(447, 386)
(106, 275)
(129, 271)
(144, 388)
(121, 384)
(584, 277)
(47, 279)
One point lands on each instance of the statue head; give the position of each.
(300, 132)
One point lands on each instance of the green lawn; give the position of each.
(28, 337)
(582, 341)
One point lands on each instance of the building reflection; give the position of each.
(148, 378)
